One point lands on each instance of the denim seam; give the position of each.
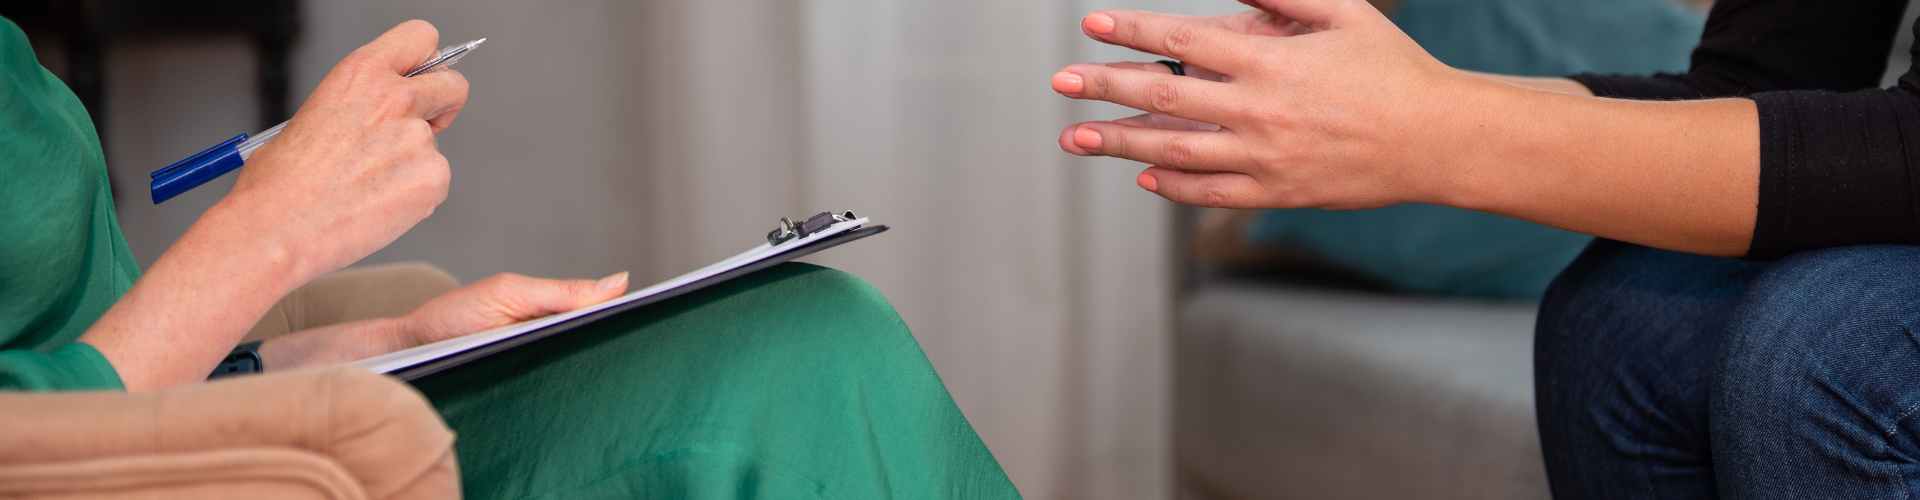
(1893, 427)
(1883, 446)
(1886, 443)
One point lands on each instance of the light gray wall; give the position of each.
(541, 184)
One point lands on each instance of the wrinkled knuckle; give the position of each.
(1163, 97)
(1178, 151)
(1179, 40)
(1098, 84)
(1215, 197)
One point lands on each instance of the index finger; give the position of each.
(1188, 39)
(402, 48)
(438, 97)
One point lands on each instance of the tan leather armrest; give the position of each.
(340, 433)
(356, 294)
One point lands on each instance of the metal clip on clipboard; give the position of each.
(790, 230)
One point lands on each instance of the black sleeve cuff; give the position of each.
(1836, 170)
(1657, 87)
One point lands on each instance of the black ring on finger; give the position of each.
(1178, 68)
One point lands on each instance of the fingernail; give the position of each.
(612, 282)
(1087, 138)
(1149, 183)
(1068, 83)
(1098, 24)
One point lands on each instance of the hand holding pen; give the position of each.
(358, 165)
(216, 161)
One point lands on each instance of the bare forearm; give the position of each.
(1676, 175)
(1548, 84)
(195, 303)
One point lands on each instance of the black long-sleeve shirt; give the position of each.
(1839, 158)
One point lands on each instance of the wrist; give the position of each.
(247, 235)
(1468, 150)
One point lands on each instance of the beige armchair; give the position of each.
(333, 434)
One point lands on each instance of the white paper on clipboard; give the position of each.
(417, 356)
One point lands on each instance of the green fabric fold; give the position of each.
(72, 367)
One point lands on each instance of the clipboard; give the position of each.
(791, 240)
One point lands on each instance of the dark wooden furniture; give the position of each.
(87, 29)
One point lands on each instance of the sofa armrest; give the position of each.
(339, 433)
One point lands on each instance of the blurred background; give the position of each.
(1104, 343)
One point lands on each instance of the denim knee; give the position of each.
(1625, 339)
(1819, 311)
(1819, 377)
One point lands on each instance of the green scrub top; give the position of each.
(63, 261)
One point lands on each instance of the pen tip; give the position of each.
(476, 43)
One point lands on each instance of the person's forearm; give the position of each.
(335, 345)
(1675, 175)
(1549, 84)
(194, 304)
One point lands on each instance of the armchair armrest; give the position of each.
(340, 433)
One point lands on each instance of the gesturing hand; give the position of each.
(504, 300)
(1305, 103)
(357, 166)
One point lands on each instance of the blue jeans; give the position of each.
(1663, 375)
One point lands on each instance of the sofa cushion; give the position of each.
(1305, 392)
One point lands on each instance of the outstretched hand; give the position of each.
(1302, 103)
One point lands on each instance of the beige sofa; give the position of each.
(333, 434)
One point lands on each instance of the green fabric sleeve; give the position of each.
(72, 367)
(63, 261)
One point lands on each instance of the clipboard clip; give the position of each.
(788, 230)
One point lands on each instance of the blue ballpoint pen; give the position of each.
(216, 161)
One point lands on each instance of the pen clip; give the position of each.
(790, 230)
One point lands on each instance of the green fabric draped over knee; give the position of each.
(795, 382)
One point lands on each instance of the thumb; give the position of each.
(541, 297)
(586, 293)
(1316, 13)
